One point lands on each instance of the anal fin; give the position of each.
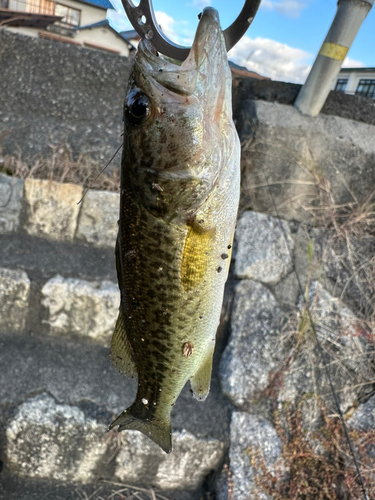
(201, 381)
(121, 351)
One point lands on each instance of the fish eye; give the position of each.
(138, 108)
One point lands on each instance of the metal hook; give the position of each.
(143, 19)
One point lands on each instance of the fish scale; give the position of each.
(179, 201)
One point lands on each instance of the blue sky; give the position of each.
(281, 43)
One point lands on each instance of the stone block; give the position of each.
(52, 208)
(98, 218)
(251, 435)
(81, 307)
(363, 418)
(11, 191)
(192, 459)
(301, 164)
(264, 248)
(255, 349)
(50, 440)
(14, 299)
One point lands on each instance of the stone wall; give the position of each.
(55, 93)
(59, 391)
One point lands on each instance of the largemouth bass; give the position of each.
(180, 181)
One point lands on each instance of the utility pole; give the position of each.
(348, 19)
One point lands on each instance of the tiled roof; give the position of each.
(94, 25)
(102, 4)
(129, 35)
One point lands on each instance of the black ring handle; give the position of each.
(143, 19)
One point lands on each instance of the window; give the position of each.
(341, 84)
(71, 17)
(366, 88)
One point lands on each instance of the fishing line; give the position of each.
(320, 349)
(100, 173)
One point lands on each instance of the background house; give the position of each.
(359, 81)
(80, 22)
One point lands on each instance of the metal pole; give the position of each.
(349, 18)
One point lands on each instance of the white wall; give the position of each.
(89, 13)
(24, 31)
(104, 37)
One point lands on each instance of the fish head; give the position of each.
(177, 119)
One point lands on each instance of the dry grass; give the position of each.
(109, 490)
(60, 166)
(314, 194)
(316, 465)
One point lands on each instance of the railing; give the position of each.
(32, 6)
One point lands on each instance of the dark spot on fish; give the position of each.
(229, 247)
(160, 70)
(200, 317)
(219, 269)
(224, 256)
(151, 294)
(130, 255)
(199, 15)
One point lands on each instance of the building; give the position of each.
(79, 22)
(132, 37)
(358, 81)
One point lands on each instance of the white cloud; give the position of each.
(352, 63)
(289, 8)
(167, 24)
(273, 59)
(117, 17)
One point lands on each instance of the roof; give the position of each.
(102, 4)
(129, 35)
(359, 70)
(94, 25)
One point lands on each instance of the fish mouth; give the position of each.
(209, 40)
(205, 65)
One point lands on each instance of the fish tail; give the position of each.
(159, 432)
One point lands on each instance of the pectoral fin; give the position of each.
(201, 381)
(121, 350)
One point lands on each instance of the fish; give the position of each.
(180, 187)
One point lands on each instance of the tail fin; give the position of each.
(159, 432)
